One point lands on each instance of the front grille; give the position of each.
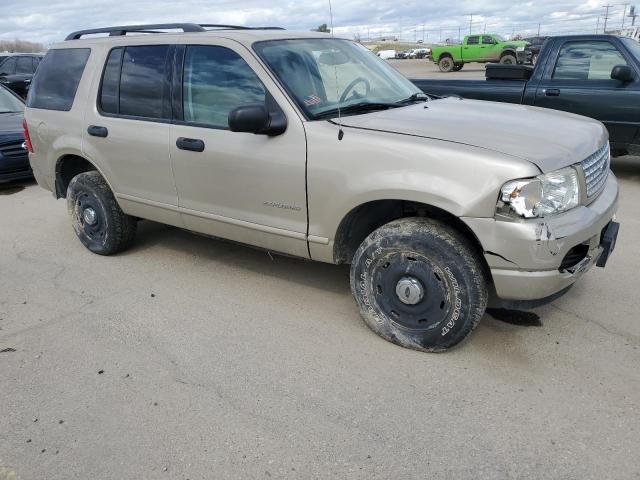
(596, 170)
(13, 149)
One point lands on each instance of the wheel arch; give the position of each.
(508, 51)
(363, 219)
(67, 167)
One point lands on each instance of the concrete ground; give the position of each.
(191, 358)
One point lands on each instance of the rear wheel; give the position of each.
(445, 64)
(419, 284)
(97, 219)
(508, 60)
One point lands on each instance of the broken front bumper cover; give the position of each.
(525, 256)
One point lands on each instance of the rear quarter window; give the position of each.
(55, 84)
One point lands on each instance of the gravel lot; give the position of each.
(191, 358)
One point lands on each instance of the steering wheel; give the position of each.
(347, 90)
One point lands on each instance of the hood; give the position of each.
(10, 126)
(548, 138)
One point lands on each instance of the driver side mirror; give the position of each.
(622, 73)
(258, 120)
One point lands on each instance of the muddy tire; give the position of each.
(419, 284)
(445, 64)
(96, 217)
(508, 60)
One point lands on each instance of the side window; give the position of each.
(488, 41)
(592, 60)
(24, 66)
(217, 80)
(473, 40)
(144, 91)
(8, 67)
(54, 86)
(110, 88)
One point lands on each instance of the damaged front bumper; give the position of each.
(537, 258)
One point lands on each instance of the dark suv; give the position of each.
(533, 49)
(17, 69)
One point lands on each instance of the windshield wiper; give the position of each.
(357, 107)
(416, 97)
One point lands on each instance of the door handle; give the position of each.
(97, 131)
(191, 144)
(552, 92)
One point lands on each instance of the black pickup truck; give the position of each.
(593, 75)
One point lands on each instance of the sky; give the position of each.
(48, 21)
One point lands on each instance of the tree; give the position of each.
(13, 46)
(322, 28)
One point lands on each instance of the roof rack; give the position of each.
(153, 28)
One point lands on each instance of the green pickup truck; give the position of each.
(484, 48)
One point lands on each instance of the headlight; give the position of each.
(541, 196)
(520, 49)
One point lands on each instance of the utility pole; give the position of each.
(470, 23)
(598, 25)
(624, 14)
(459, 35)
(485, 28)
(423, 33)
(538, 29)
(606, 15)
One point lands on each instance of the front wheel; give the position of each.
(534, 59)
(445, 64)
(508, 60)
(97, 219)
(419, 284)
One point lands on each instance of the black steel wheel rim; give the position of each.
(96, 231)
(436, 303)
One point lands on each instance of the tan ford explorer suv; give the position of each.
(312, 146)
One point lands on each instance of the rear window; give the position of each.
(55, 84)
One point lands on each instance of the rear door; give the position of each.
(579, 81)
(472, 51)
(126, 131)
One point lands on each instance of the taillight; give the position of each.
(27, 138)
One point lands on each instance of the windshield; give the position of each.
(324, 74)
(9, 103)
(499, 38)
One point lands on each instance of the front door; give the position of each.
(241, 186)
(580, 82)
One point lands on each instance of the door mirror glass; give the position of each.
(622, 73)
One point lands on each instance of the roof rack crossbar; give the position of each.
(123, 30)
